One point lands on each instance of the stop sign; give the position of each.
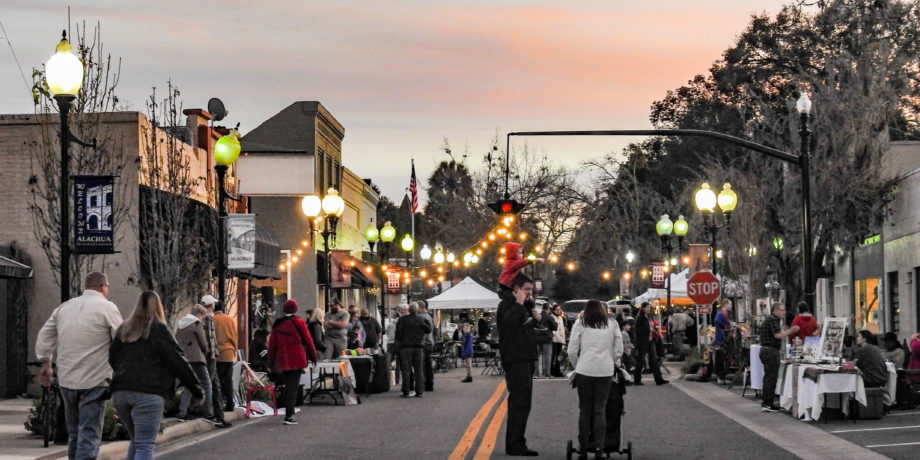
(703, 288)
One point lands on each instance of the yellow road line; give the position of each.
(466, 441)
(488, 438)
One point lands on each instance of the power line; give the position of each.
(15, 58)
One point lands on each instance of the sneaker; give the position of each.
(411, 393)
(212, 420)
(183, 418)
(467, 379)
(226, 424)
(662, 382)
(418, 395)
(290, 421)
(721, 381)
(769, 408)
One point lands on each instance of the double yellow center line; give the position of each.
(487, 445)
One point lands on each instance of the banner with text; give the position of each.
(657, 274)
(94, 229)
(393, 286)
(241, 241)
(341, 268)
(699, 259)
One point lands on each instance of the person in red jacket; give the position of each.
(289, 346)
(514, 263)
(805, 321)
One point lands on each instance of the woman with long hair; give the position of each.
(594, 348)
(147, 361)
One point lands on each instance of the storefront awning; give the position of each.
(268, 256)
(9, 268)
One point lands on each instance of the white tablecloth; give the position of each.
(756, 368)
(331, 367)
(810, 394)
(892, 385)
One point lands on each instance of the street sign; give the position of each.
(704, 310)
(703, 288)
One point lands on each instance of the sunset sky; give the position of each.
(401, 76)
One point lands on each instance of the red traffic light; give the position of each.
(506, 207)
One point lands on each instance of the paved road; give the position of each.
(661, 422)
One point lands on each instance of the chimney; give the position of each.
(197, 122)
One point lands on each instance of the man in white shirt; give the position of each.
(81, 331)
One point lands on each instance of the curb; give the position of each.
(117, 450)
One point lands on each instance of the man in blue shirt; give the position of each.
(723, 326)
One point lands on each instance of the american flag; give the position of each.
(413, 189)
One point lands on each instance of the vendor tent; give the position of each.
(465, 294)
(678, 291)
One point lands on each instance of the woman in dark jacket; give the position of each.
(289, 346)
(315, 326)
(147, 361)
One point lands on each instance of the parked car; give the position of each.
(572, 309)
(617, 306)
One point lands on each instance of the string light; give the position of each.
(423, 274)
(570, 266)
(523, 237)
(369, 269)
(491, 237)
(605, 275)
(305, 243)
(553, 258)
(501, 260)
(294, 258)
(501, 250)
(299, 252)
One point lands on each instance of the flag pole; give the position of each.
(412, 209)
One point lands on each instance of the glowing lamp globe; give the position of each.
(630, 257)
(681, 227)
(227, 148)
(439, 257)
(705, 198)
(407, 244)
(664, 226)
(333, 204)
(371, 234)
(387, 233)
(425, 252)
(727, 198)
(451, 257)
(803, 105)
(64, 71)
(311, 206)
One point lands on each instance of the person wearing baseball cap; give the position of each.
(209, 301)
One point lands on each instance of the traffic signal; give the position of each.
(506, 207)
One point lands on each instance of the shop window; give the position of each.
(866, 302)
(894, 303)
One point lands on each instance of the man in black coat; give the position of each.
(646, 346)
(410, 337)
(516, 341)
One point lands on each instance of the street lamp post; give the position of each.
(226, 151)
(407, 245)
(630, 257)
(707, 202)
(387, 235)
(803, 106)
(64, 74)
(664, 227)
(332, 205)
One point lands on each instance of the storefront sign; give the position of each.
(93, 221)
(241, 241)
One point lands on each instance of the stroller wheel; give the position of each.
(568, 450)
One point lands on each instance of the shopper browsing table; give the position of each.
(771, 341)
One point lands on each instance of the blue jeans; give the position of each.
(83, 410)
(141, 413)
(546, 358)
(201, 371)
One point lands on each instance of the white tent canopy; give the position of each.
(465, 294)
(678, 288)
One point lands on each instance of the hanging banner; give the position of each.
(341, 268)
(241, 241)
(657, 274)
(699, 258)
(93, 221)
(393, 284)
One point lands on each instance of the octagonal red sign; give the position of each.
(704, 288)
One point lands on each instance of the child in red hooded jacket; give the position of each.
(514, 263)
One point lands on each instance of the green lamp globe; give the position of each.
(727, 198)
(407, 244)
(681, 227)
(387, 233)
(371, 234)
(664, 225)
(64, 71)
(227, 148)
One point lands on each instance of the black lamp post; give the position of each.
(407, 245)
(706, 202)
(64, 74)
(803, 106)
(664, 227)
(333, 207)
(226, 151)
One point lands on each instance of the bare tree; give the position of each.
(175, 257)
(87, 121)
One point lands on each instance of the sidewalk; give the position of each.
(804, 440)
(17, 443)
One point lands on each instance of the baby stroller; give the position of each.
(613, 439)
